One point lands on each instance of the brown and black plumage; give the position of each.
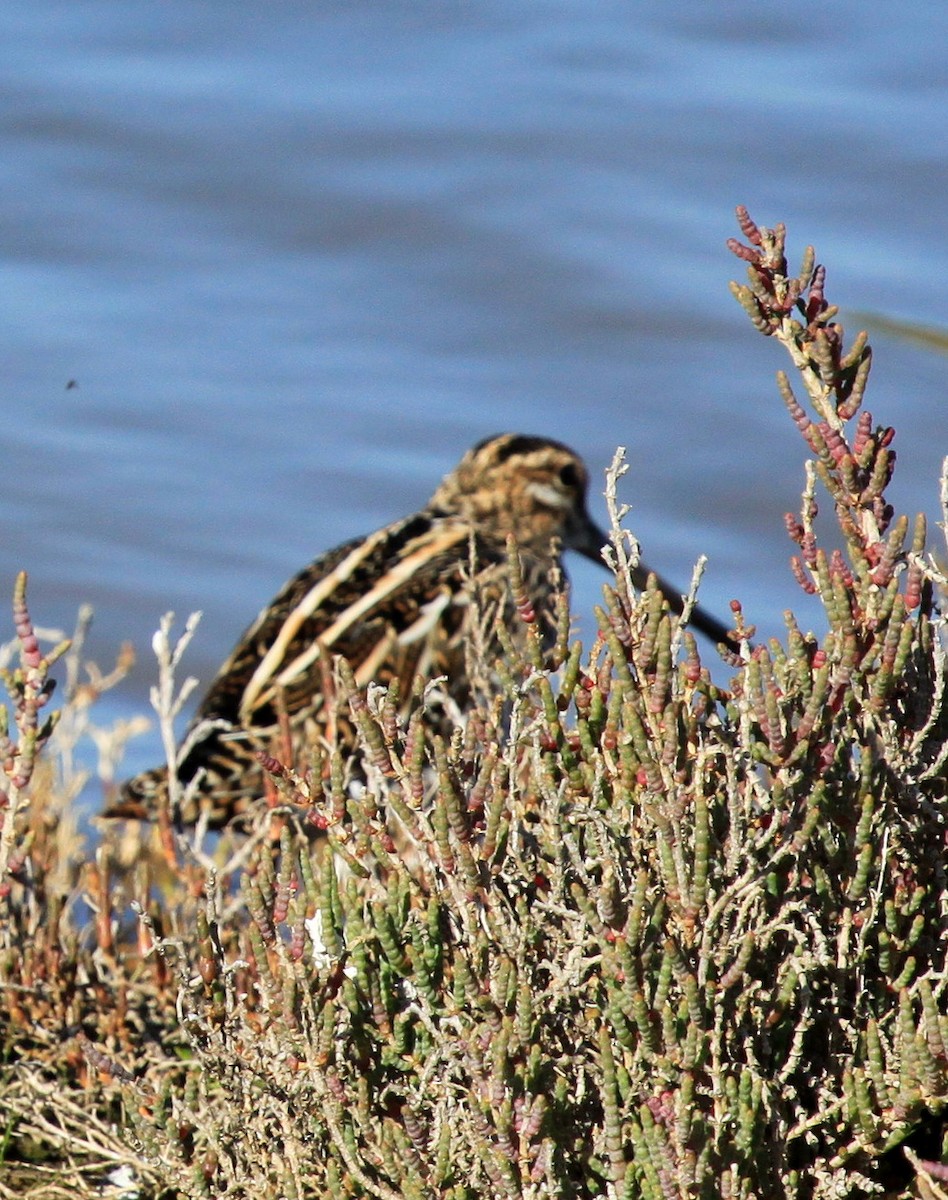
(394, 605)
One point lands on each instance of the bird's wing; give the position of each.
(372, 601)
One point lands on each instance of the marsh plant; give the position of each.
(651, 923)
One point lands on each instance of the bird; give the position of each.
(395, 604)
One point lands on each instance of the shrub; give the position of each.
(629, 932)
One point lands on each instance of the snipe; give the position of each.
(394, 604)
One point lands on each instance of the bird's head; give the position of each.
(532, 487)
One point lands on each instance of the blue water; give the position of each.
(297, 258)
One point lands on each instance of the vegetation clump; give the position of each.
(628, 932)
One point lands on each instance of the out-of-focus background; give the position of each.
(269, 270)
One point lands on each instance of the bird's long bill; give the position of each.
(589, 540)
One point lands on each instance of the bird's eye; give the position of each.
(569, 476)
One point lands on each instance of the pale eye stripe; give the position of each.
(547, 494)
(430, 546)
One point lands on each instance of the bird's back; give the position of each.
(394, 605)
